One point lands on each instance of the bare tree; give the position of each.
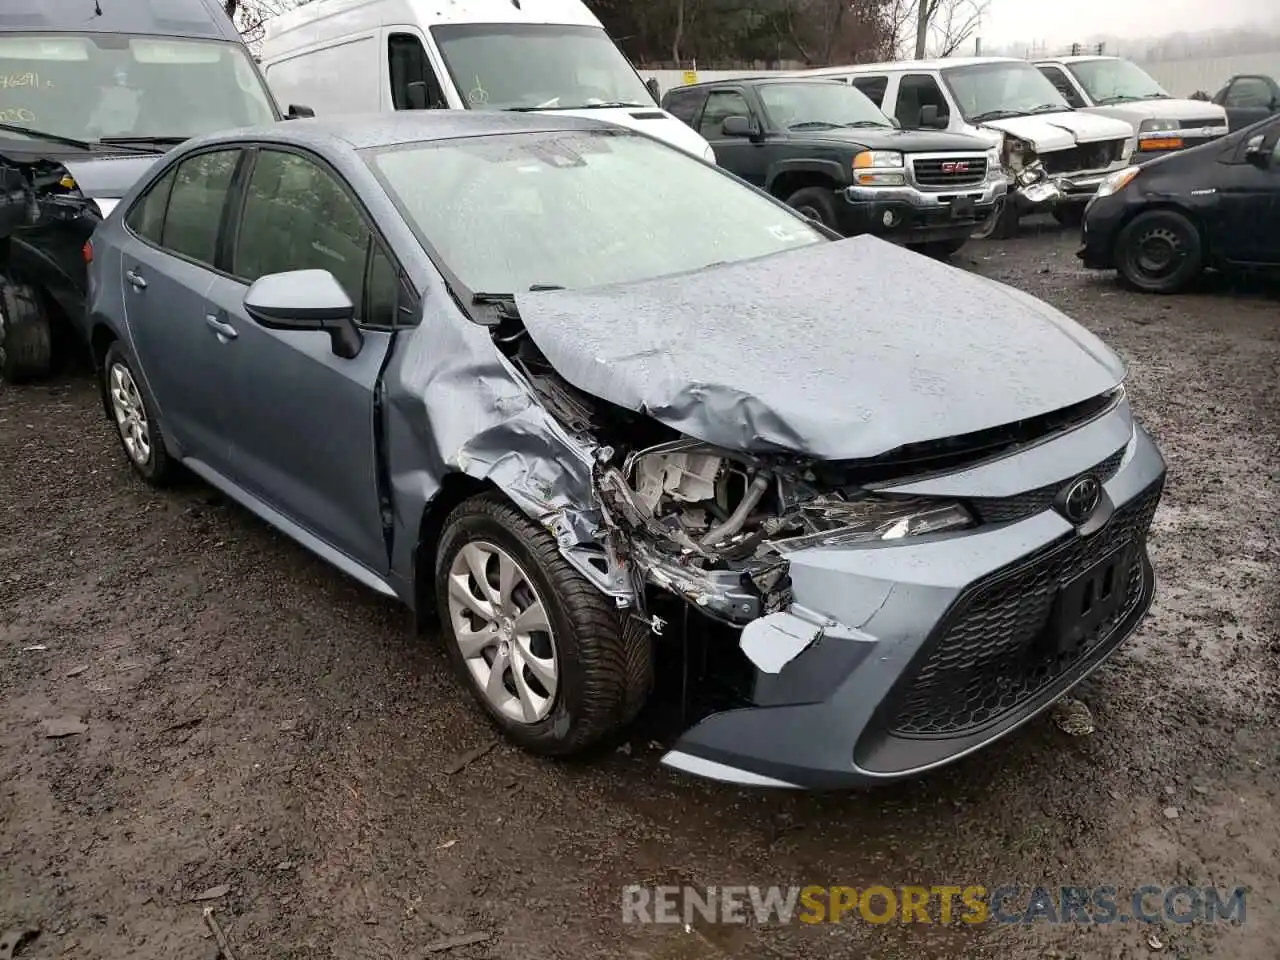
(942, 25)
(250, 15)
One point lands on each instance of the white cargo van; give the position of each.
(363, 56)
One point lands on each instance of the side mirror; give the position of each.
(738, 127)
(417, 91)
(929, 119)
(655, 91)
(306, 300)
(299, 112)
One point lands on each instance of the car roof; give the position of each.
(750, 81)
(188, 19)
(900, 66)
(361, 131)
(1078, 58)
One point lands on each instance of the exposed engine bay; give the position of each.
(36, 192)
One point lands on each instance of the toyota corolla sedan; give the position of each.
(588, 400)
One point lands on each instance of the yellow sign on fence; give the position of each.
(691, 76)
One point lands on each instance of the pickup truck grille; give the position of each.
(946, 172)
(1085, 158)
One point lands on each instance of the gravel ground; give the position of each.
(261, 729)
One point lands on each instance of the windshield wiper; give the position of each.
(88, 146)
(996, 115)
(1051, 108)
(813, 125)
(604, 105)
(1156, 96)
(1118, 98)
(159, 141)
(869, 123)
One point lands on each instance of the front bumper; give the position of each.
(911, 215)
(896, 659)
(1103, 219)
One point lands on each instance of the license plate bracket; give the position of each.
(962, 208)
(1087, 602)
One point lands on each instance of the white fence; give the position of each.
(1180, 77)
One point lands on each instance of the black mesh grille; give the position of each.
(1089, 156)
(987, 658)
(949, 171)
(1023, 505)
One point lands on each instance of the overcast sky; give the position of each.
(1010, 21)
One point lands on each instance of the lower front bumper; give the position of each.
(911, 215)
(897, 659)
(1101, 224)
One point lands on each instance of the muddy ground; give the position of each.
(258, 723)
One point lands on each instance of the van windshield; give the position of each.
(1116, 81)
(116, 86)
(501, 66)
(1002, 88)
(578, 209)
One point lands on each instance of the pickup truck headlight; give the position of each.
(879, 168)
(1158, 135)
(1117, 181)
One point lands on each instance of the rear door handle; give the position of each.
(139, 282)
(225, 331)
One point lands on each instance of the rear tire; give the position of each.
(940, 249)
(1159, 251)
(817, 203)
(26, 335)
(133, 416)
(571, 671)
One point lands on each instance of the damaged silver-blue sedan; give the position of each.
(585, 398)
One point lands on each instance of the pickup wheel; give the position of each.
(816, 203)
(26, 336)
(546, 654)
(1002, 224)
(135, 421)
(1159, 252)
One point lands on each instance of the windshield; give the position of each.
(1008, 88)
(577, 210)
(90, 86)
(814, 105)
(498, 66)
(1115, 81)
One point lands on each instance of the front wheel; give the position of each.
(26, 336)
(940, 249)
(547, 656)
(1001, 224)
(816, 203)
(1159, 252)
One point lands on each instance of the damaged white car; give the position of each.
(598, 404)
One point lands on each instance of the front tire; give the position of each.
(140, 435)
(546, 655)
(816, 203)
(26, 334)
(1001, 224)
(1159, 251)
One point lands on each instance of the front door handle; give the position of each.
(225, 331)
(139, 282)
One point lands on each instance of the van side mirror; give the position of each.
(929, 118)
(299, 112)
(739, 127)
(306, 300)
(417, 92)
(655, 91)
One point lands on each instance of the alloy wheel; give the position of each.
(503, 632)
(130, 414)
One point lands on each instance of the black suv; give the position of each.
(828, 151)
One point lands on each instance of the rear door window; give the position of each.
(193, 220)
(685, 104)
(146, 217)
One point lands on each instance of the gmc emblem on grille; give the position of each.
(955, 166)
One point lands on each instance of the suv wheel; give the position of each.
(139, 431)
(26, 339)
(1002, 224)
(542, 650)
(1159, 252)
(816, 203)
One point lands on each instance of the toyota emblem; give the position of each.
(1081, 499)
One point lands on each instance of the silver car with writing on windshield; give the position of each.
(585, 399)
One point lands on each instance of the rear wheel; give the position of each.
(139, 431)
(1159, 252)
(542, 650)
(940, 249)
(26, 336)
(816, 203)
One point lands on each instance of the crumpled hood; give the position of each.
(109, 177)
(841, 350)
(1061, 131)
